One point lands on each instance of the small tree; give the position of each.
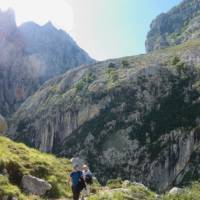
(175, 60)
(125, 64)
(111, 65)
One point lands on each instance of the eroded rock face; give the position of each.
(33, 185)
(180, 24)
(139, 121)
(3, 125)
(30, 55)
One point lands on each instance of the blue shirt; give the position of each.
(75, 176)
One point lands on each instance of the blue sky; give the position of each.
(115, 28)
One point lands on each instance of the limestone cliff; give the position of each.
(30, 55)
(3, 125)
(180, 24)
(135, 117)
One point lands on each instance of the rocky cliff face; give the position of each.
(135, 118)
(3, 125)
(180, 24)
(29, 55)
(53, 50)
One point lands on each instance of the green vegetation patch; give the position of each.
(133, 192)
(9, 190)
(191, 193)
(112, 75)
(85, 81)
(125, 64)
(114, 183)
(19, 160)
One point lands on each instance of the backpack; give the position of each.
(81, 183)
(89, 179)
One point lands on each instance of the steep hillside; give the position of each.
(135, 117)
(17, 160)
(180, 24)
(29, 55)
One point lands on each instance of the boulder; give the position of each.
(126, 184)
(175, 191)
(3, 125)
(34, 185)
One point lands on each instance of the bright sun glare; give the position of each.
(59, 12)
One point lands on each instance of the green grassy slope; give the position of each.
(20, 160)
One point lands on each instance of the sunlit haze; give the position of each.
(104, 28)
(58, 12)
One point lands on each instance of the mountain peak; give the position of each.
(9, 12)
(7, 20)
(34, 54)
(49, 25)
(180, 24)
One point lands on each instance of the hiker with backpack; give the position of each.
(87, 176)
(77, 182)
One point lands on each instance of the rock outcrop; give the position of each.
(180, 24)
(137, 121)
(30, 55)
(176, 190)
(3, 125)
(34, 185)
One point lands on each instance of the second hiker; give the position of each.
(87, 176)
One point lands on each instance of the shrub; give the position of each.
(125, 64)
(7, 189)
(40, 171)
(112, 75)
(80, 85)
(175, 60)
(15, 172)
(85, 81)
(111, 65)
(142, 193)
(56, 190)
(114, 183)
(2, 166)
